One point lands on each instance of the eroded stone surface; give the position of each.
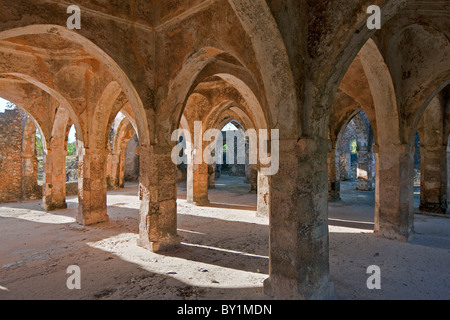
(306, 69)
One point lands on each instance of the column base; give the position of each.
(392, 233)
(364, 186)
(334, 198)
(54, 206)
(159, 246)
(93, 219)
(263, 213)
(432, 208)
(202, 201)
(285, 289)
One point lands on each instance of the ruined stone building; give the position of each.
(313, 70)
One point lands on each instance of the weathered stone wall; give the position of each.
(131, 161)
(10, 155)
(233, 169)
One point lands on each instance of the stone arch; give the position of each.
(95, 51)
(124, 132)
(18, 159)
(433, 158)
(58, 97)
(419, 115)
(420, 78)
(30, 187)
(205, 63)
(383, 92)
(54, 184)
(345, 51)
(343, 127)
(130, 117)
(363, 131)
(99, 129)
(40, 126)
(280, 90)
(227, 111)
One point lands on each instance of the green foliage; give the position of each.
(71, 148)
(39, 146)
(354, 146)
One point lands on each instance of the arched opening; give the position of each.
(22, 147)
(72, 162)
(89, 85)
(214, 103)
(352, 196)
(354, 149)
(234, 180)
(430, 168)
(123, 159)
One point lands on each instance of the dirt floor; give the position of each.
(224, 251)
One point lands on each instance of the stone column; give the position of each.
(30, 187)
(158, 193)
(212, 176)
(299, 243)
(394, 196)
(197, 173)
(117, 173)
(92, 186)
(365, 171)
(263, 199)
(345, 166)
(254, 178)
(121, 170)
(190, 183)
(112, 176)
(54, 185)
(334, 183)
(433, 179)
(446, 180)
(200, 184)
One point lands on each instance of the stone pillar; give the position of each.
(190, 183)
(121, 170)
(263, 199)
(116, 175)
(11, 130)
(254, 178)
(334, 183)
(54, 186)
(345, 166)
(446, 180)
(394, 196)
(212, 176)
(299, 243)
(200, 184)
(30, 187)
(365, 171)
(197, 174)
(112, 175)
(92, 187)
(158, 193)
(433, 179)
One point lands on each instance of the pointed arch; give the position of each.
(96, 52)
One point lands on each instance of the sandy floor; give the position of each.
(224, 252)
